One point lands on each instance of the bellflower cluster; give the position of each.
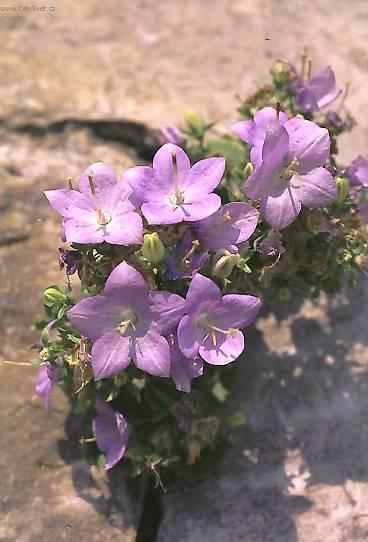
(174, 258)
(290, 172)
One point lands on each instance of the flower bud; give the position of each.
(343, 188)
(53, 295)
(224, 263)
(153, 249)
(248, 170)
(195, 123)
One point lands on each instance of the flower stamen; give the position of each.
(129, 320)
(102, 218)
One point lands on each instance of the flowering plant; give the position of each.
(174, 259)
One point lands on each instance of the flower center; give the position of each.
(286, 173)
(203, 323)
(129, 320)
(103, 218)
(177, 198)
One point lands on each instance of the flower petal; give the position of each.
(308, 142)
(281, 210)
(167, 310)
(69, 203)
(110, 355)
(104, 180)
(203, 178)
(124, 229)
(202, 291)
(315, 189)
(274, 154)
(323, 85)
(245, 129)
(141, 179)
(125, 278)
(163, 164)
(217, 232)
(183, 369)
(95, 316)
(162, 213)
(190, 336)
(151, 354)
(121, 199)
(236, 311)
(89, 231)
(227, 349)
(197, 210)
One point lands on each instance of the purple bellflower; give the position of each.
(172, 191)
(102, 209)
(126, 323)
(318, 91)
(183, 369)
(47, 377)
(357, 172)
(291, 172)
(272, 245)
(111, 432)
(185, 262)
(211, 326)
(254, 131)
(70, 259)
(171, 134)
(232, 224)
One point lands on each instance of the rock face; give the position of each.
(72, 81)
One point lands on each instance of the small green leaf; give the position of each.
(232, 150)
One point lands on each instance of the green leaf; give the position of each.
(230, 149)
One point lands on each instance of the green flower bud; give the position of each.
(248, 170)
(153, 249)
(53, 295)
(195, 123)
(224, 263)
(343, 188)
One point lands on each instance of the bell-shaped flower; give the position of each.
(232, 224)
(291, 173)
(172, 191)
(183, 369)
(211, 326)
(111, 431)
(318, 91)
(127, 322)
(47, 377)
(272, 245)
(357, 172)
(185, 261)
(101, 210)
(254, 131)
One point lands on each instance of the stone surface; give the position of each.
(149, 61)
(298, 472)
(47, 492)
